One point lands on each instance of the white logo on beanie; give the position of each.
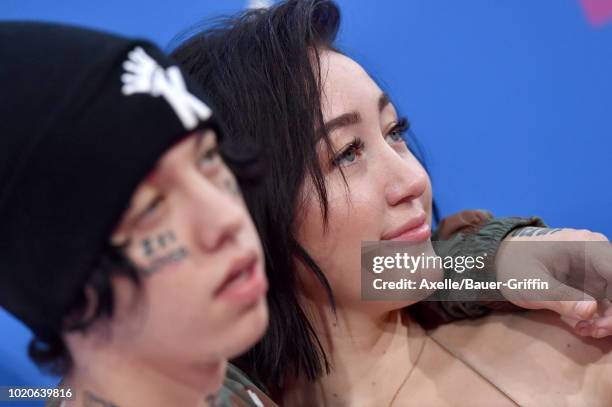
(144, 75)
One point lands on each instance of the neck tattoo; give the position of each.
(91, 400)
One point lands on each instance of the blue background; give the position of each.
(512, 100)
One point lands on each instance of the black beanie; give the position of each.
(84, 116)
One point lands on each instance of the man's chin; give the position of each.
(253, 327)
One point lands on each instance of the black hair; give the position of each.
(261, 69)
(50, 352)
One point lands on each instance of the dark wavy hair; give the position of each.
(50, 353)
(262, 71)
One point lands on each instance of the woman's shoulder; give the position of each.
(534, 357)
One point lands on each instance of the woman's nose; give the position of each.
(406, 179)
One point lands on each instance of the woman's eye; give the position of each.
(209, 158)
(396, 134)
(349, 155)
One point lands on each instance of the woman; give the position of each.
(340, 173)
(128, 250)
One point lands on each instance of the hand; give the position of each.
(576, 271)
(600, 325)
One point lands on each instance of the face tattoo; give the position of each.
(162, 250)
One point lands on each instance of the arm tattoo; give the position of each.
(91, 400)
(533, 231)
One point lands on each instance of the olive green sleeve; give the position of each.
(469, 233)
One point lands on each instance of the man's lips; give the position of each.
(245, 281)
(414, 230)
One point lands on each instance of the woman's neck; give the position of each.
(370, 357)
(115, 380)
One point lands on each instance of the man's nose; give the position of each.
(218, 217)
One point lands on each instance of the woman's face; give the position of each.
(203, 282)
(389, 192)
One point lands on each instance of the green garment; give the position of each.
(472, 233)
(468, 233)
(237, 391)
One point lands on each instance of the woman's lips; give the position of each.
(415, 230)
(245, 285)
(417, 234)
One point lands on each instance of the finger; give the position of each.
(561, 298)
(600, 256)
(602, 323)
(598, 328)
(605, 308)
(581, 307)
(581, 310)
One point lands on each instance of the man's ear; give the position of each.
(83, 315)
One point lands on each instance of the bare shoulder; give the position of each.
(534, 357)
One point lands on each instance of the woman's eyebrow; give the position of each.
(345, 119)
(383, 101)
(350, 118)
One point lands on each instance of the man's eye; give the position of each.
(209, 158)
(151, 209)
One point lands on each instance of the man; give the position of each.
(127, 248)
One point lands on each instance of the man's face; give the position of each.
(187, 230)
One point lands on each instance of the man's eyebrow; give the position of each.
(201, 134)
(383, 101)
(346, 119)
